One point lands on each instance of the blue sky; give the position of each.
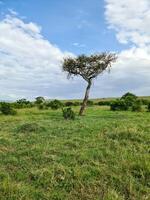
(36, 34)
(77, 26)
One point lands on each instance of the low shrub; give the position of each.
(55, 104)
(41, 106)
(77, 103)
(6, 109)
(22, 103)
(137, 106)
(69, 103)
(39, 100)
(29, 127)
(119, 105)
(148, 107)
(104, 103)
(68, 114)
(90, 103)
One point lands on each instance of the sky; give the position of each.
(35, 36)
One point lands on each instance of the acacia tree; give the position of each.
(88, 67)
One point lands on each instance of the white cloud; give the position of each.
(29, 64)
(131, 21)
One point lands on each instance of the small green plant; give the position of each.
(137, 106)
(6, 109)
(119, 105)
(68, 113)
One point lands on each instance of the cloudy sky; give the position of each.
(35, 35)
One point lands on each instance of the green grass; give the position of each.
(101, 156)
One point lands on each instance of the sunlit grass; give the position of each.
(102, 155)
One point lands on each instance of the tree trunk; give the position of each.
(84, 103)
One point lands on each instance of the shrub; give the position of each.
(22, 103)
(29, 127)
(56, 104)
(41, 106)
(77, 103)
(129, 98)
(137, 106)
(39, 100)
(145, 101)
(6, 109)
(104, 103)
(130, 95)
(90, 103)
(68, 113)
(69, 103)
(118, 105)
(148, 107)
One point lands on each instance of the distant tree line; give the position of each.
(127, 102)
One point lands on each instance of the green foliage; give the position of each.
(144, 101)
(42, 106)
(129, 99)
(119, 105)
(68, 113)
(6, 109)
(90, 103)
(69, 103)
(77, 103)
(22, 103)
(72, 103)
(129, 95)
(148, 107)
(39, 100)
(137, 106)
(104, 103)
(55, 104)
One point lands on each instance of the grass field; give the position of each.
(103, 155)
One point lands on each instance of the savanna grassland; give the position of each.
(103, 155)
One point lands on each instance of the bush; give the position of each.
(90, 103)
(42, 106)
(129, 95)
(56, 104)
(6, 109)
(129, 98)
(39, 100)
(22, 103)
(137, 106)
(77, 103)
(119, 105)
(104, 103)
(68, 114)
(69, 103)
(145, 101)
(29, 127)
(148, 107)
